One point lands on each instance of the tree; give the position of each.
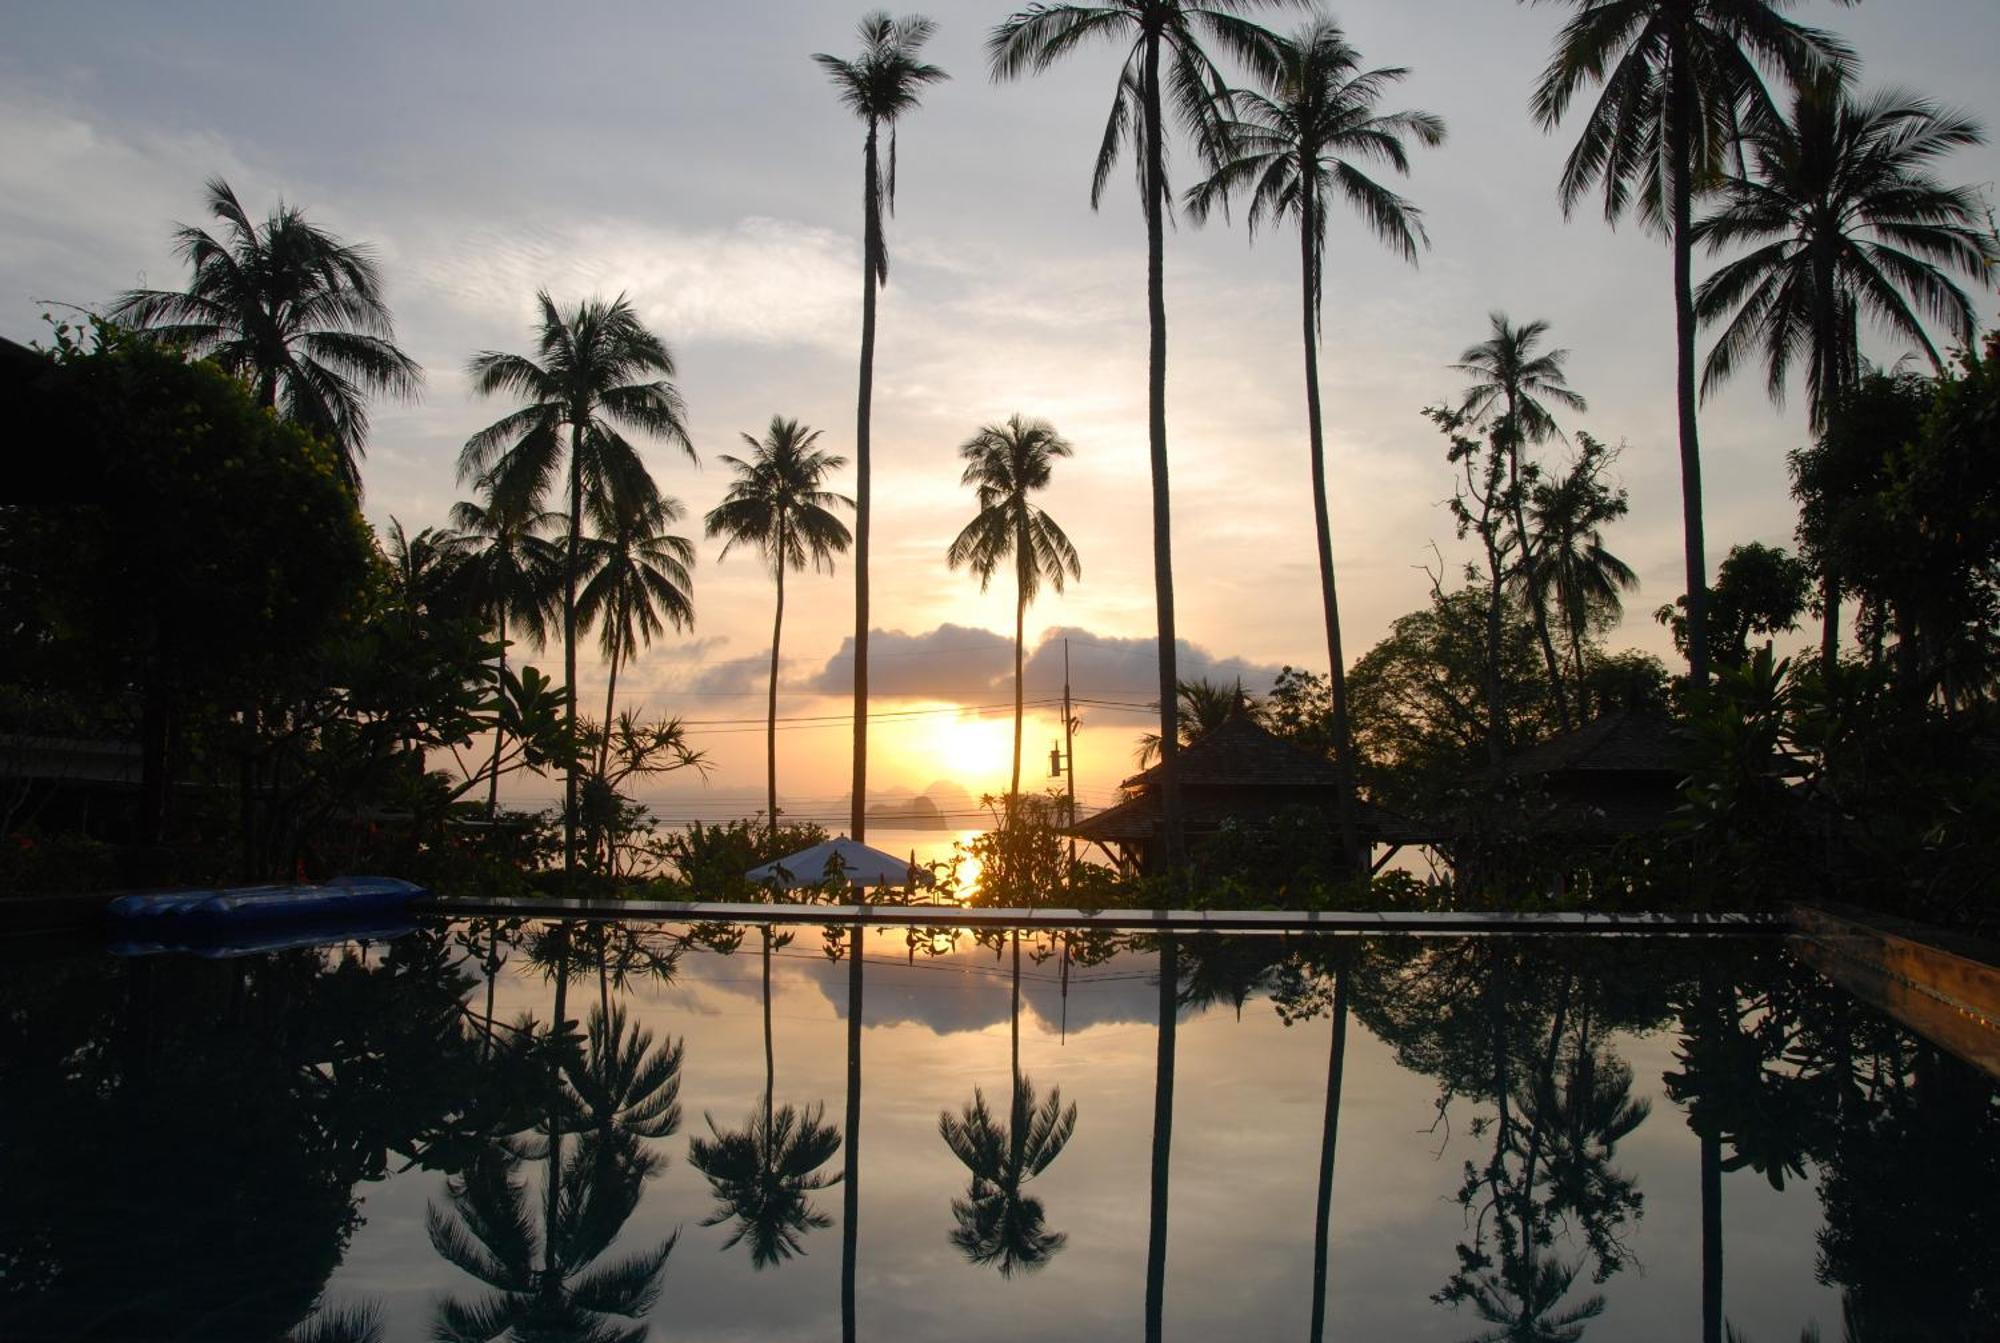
(1843, 218)
(591, 380)
(291, 309)
(1759, 589)
(1165, 33)
(1566, 518)
(1680, 79)
(514, 572)
(1006, 463)
(1295, 147)
(1512, 375)
(639, 585)
(880, 85)
(777, 504)
(1205, 705)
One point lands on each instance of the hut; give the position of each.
(1237, 773)
(1616, 777)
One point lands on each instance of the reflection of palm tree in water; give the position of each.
(764, 1174)
(613, 1088)
(998, 1223)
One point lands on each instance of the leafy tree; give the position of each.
(292, 310)
(778, 504)
(1205, 705)
(1293, 147)
(1006, 463)
(1679, 79)
(590, 377)
(1515, 379)
(881, 85)
(1759, 589)
(1166, 61)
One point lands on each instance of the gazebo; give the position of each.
(1612, 778)
(1238, 772)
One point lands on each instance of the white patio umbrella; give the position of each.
(842, 857)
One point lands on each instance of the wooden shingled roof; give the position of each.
(1621, 742)
(1242, 753)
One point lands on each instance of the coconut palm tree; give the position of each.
(1166, 69)
(639, 584)
(777, 504)
(1163, 1136)
(1574, 569)
(514, 572)
(1006, 463)
(1205, 706)
(1842, 217)
(881, 84)
(998, 1223)
(1295, 147)
(1510, 373)
(597, 370)
(624, 1084)
(290, 308)
(1680, 79)
(765, 1173)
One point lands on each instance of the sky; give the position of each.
(695, 160)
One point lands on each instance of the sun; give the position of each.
(974, 749)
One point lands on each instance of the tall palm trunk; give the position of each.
(770, 1048)
(871, 263)
(499, 732)
(1156, 437)
(610, 693)
(1163, 1137)
(771, 717)
(850, 1231)
(570, 565)
(1343, 745)
(1538, 604)
(1021, 560)
(1711, 1238)
(1836, 378)
(1680, 135)
(1336, 1066)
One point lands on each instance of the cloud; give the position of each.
(951, 662)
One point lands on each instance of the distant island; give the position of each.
(919, 813)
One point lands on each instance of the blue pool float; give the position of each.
(348, 898)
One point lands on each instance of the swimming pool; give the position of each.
(1633, 1138)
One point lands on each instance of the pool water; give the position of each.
(1530, 1138)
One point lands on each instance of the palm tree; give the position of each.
(624, 1085)
(1165, 62)
(1007, 463)
(1294, 148)
(1843, 217)
(1510, 372)
(639, 584)
(1163, 1136)
(998, 1223)
(290, 308)
(1205, 705)
(514, 572)
(764, 1174)
(591, 380)
(776, 504)
(1680, 79)
(881, 84)
(1566, 518)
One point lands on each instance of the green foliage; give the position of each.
(708, 861)
(1759, 589)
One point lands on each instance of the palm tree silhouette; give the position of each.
(1843, 217)
(1566, 517)
(292, 309)
(545, 1282)
(639, 584)
(624, 1085)
(880, 85)
(514, 572)
(1205, 705)
(1522, 1299)
(1680, 78)
(998, 1223)
(1165, 33)
(1007, 462)
(1511, 373)
(1163, 1135)
(764, 1174)
(590, 377)
(1294, 147)
(777, 504)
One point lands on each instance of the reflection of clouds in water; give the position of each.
(966, 990)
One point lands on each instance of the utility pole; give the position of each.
(1062, 759)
